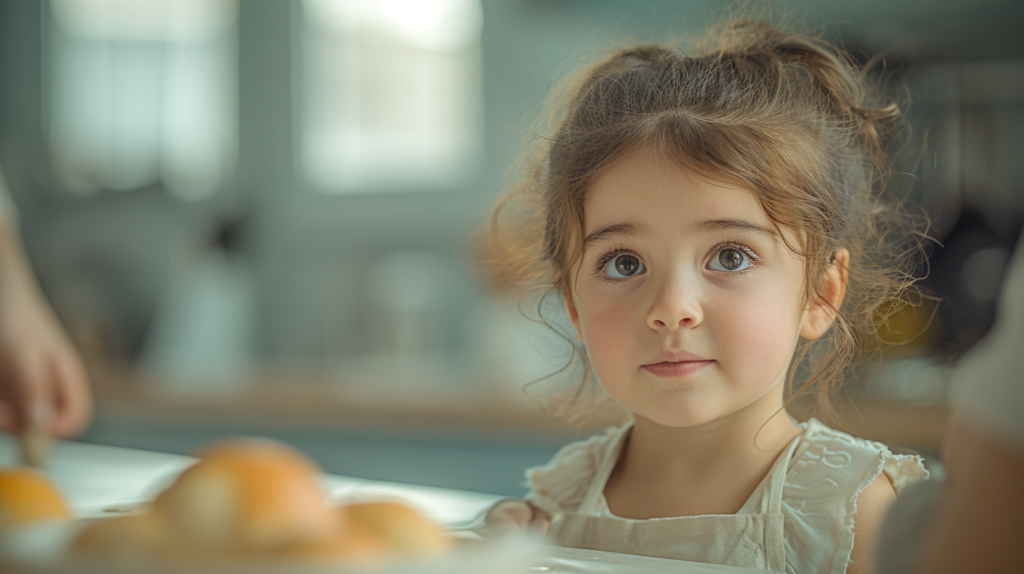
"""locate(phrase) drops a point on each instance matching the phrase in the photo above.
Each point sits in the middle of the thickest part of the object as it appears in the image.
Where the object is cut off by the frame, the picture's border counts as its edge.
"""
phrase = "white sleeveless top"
(799, 519)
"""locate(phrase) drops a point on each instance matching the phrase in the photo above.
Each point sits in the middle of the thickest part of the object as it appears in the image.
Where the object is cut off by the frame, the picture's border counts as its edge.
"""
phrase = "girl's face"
(689, 304)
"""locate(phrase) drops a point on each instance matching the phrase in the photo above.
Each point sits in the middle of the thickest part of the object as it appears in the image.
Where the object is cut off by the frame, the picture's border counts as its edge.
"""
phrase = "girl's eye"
(625, 265)
(729, 259)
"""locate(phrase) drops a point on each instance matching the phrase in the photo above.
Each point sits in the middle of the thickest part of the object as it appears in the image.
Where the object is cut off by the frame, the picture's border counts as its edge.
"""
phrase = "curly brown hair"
(789, 115)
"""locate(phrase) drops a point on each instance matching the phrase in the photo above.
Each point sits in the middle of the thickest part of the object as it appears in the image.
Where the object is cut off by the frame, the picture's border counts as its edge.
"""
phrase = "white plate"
(42, 549)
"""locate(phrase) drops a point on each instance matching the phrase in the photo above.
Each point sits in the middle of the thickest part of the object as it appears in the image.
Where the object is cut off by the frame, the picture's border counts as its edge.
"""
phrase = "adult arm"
(979, 528)
(42, 379)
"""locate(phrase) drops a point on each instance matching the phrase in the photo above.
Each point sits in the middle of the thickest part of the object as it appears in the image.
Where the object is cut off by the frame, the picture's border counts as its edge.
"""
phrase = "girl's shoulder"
(826, 453)
(562, 483)
(828, 471)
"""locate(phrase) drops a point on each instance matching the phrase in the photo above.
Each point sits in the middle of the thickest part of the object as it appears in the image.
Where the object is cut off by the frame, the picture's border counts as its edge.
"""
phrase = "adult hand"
(514, 516)
(42, 378)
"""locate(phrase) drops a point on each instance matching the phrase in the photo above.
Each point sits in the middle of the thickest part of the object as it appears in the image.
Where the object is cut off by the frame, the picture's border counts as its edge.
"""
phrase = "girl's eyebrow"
(616, 229)
(738, 225)
(633, 229)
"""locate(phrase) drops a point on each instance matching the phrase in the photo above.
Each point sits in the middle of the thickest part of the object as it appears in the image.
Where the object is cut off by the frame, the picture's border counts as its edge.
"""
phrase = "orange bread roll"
(136, 537)
(351, 547)
(27, 496)
(248, 496)
(259, 499)
(402, 529)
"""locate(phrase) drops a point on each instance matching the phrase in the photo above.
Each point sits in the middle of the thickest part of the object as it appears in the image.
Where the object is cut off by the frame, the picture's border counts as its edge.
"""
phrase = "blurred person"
(713, 223)
(973, 521)
(43, 383)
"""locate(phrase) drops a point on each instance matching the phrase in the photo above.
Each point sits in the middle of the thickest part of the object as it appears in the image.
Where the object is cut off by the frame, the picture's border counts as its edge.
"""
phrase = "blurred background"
(257, 217)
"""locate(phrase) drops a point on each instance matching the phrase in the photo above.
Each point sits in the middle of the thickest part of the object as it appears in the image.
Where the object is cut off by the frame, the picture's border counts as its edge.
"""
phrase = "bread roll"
(139, 537)
(260, 499)
(403, 530)
(248, 496)
(27, 496)
(351, 547)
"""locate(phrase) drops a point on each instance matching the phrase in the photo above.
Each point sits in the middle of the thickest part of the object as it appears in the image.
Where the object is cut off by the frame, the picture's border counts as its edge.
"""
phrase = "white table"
(100, 480)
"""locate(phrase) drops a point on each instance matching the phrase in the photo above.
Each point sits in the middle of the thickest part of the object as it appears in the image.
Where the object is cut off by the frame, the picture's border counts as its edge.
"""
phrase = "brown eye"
(729, 259)
(623, 266)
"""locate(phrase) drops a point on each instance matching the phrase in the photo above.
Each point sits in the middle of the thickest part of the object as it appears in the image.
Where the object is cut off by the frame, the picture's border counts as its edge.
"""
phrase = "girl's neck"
(761, 430)
(661, 468)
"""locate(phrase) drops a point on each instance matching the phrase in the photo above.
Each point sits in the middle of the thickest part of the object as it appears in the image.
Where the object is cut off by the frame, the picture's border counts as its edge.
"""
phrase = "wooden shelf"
(305, 400)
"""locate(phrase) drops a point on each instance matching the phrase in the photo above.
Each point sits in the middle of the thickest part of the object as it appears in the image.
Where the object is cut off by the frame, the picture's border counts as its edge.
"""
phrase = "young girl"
(717, 225)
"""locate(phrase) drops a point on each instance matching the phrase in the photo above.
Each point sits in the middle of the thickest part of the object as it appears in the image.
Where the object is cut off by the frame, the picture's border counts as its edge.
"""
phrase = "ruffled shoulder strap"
(561, 484)
(826, 474)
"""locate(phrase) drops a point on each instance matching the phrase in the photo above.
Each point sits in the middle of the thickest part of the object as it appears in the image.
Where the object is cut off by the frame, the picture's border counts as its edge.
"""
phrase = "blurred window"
(141, 92)
(391, 94)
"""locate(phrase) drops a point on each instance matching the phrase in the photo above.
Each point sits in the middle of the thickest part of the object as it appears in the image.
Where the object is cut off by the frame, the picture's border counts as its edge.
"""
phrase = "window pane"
(391, 94)
(143, 92)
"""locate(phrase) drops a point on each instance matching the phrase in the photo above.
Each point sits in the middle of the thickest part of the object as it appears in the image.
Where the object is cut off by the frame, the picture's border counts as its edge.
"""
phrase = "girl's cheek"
(760, 329)
(606, 326)
(608, 345)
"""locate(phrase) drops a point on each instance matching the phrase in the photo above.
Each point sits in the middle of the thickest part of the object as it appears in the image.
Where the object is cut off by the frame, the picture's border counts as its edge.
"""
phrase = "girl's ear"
(574, 315)
(822, 312)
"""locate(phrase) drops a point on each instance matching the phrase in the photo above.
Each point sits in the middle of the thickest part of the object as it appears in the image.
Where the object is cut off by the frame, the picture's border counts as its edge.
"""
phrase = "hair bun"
(648, 53)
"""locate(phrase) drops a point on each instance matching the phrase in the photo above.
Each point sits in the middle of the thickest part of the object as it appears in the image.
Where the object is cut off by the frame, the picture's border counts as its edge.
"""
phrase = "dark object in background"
(967, 273)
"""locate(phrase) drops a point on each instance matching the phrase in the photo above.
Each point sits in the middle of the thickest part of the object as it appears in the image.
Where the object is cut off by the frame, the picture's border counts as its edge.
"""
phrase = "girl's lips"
(677, 369)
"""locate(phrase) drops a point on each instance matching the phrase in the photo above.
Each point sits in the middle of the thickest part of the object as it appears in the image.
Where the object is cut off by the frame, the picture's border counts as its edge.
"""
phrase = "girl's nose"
(675, 308)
